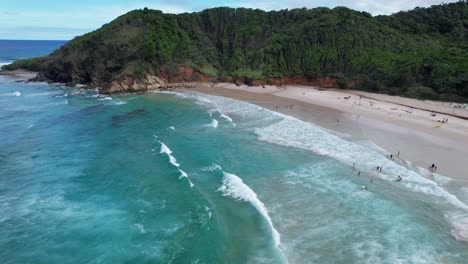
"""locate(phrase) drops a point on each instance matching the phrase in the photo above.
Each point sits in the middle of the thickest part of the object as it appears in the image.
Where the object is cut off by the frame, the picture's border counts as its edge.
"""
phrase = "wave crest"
(234, 187)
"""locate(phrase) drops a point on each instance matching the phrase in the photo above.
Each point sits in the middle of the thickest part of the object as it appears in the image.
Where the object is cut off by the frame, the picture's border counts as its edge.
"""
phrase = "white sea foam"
(214, 123)
(459, 225)
(212, 167)
(173, 160)
(107, 98)
(65, 102)
(169, 92)
(139, 227)
(11, 94)
(207, 209)
(183, 174)
(166, 150)
(228, 118)
(171, 128)
(234, 187)
(119, 103)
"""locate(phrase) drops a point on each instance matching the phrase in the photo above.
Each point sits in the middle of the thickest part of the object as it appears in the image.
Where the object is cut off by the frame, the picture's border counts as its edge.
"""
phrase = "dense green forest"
(419, 53)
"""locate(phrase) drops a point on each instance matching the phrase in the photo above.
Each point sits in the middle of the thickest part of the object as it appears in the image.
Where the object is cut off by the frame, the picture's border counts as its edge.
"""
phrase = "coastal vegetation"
(421, 53)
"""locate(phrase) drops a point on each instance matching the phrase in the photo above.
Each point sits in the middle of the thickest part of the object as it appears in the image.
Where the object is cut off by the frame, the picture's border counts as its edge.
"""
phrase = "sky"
(64, 19)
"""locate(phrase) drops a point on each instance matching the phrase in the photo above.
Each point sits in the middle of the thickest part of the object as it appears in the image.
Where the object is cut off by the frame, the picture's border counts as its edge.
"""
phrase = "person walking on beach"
(380, 168)
(399, 178)
(359, 173)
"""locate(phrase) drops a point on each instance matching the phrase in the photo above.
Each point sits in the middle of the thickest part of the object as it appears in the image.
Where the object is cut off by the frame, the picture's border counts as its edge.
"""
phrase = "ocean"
(11, 50)
(183, 177)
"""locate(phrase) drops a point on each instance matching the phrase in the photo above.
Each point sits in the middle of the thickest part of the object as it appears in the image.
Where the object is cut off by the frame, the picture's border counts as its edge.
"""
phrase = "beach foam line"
(167, 151)
(234, 187)
(12, 94)
(280, 129)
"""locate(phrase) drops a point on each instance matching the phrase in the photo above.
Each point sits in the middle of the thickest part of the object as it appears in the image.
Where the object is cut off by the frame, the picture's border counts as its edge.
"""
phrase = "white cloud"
(383, 7)
(275, 5)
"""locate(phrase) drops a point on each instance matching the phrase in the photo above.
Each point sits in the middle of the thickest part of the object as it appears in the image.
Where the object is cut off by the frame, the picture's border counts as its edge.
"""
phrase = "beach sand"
(387, 121)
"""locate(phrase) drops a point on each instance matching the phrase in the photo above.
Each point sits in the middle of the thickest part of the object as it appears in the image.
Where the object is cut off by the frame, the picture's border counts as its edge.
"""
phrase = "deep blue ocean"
(11, 50)
(183, 177)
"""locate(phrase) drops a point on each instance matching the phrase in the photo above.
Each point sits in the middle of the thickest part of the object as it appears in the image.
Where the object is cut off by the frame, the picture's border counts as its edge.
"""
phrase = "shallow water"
(191, 178)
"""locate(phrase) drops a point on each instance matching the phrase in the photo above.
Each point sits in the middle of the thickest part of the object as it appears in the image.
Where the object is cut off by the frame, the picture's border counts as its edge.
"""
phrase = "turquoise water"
(190, 178)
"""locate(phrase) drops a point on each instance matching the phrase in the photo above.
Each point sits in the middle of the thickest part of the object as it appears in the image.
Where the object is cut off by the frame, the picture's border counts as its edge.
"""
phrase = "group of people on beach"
(432, 168)
(443, 121)
(379, 169)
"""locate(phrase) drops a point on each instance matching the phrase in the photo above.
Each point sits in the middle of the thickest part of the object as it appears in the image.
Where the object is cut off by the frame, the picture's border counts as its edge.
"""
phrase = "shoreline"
(386, 124)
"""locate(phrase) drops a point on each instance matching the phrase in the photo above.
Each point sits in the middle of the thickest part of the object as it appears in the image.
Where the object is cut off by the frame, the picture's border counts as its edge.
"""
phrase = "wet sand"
(386, 121)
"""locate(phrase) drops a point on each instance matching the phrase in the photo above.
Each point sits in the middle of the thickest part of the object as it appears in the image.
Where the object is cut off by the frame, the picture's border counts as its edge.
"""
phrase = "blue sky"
(63, 19)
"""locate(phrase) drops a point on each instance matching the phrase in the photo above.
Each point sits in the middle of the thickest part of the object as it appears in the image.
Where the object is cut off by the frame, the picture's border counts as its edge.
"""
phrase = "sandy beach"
(393, 123)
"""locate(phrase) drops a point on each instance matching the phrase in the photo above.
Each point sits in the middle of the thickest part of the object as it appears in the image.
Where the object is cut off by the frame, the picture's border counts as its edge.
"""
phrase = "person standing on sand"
(359, 173)
(380, 168)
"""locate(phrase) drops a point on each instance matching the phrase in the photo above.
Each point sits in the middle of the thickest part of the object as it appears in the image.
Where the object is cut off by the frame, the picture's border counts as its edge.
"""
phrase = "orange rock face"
(325, 82)
(184, 74)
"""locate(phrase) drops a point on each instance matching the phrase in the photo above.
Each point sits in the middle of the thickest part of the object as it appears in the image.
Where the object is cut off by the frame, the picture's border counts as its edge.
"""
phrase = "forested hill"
(420, 53)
